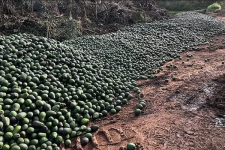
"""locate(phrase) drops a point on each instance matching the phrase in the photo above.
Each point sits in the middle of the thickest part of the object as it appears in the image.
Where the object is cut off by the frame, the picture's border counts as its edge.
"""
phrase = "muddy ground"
(185, 113)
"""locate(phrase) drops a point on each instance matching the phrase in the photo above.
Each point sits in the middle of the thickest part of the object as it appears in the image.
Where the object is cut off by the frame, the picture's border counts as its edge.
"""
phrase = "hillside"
(71, 18)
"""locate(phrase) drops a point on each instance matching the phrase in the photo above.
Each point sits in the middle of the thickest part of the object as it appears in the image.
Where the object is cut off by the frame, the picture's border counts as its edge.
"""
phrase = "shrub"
(215, 7)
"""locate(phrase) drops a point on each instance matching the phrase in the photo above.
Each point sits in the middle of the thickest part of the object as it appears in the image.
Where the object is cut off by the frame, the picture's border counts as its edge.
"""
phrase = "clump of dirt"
(218, 99)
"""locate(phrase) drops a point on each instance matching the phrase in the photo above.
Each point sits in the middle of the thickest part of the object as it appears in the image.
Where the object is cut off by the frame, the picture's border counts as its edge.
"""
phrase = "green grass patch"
(175, 12)
(213, 8)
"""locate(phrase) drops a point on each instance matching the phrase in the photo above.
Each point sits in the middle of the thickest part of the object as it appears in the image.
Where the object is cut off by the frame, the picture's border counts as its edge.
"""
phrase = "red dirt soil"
(187, 113)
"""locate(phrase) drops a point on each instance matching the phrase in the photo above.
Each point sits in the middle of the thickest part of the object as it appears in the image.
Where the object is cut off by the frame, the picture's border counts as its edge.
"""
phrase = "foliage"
(215, 7)
(64, 29)
(183, 5)
(43, 18)
(52, 18)
(71, 30)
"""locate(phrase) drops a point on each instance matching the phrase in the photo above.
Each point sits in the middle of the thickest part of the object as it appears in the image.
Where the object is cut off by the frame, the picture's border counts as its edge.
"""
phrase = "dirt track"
(181, 114)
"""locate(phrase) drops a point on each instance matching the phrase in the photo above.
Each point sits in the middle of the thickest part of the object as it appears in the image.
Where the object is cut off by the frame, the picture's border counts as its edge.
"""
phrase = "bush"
(215, 7)
(65, 29)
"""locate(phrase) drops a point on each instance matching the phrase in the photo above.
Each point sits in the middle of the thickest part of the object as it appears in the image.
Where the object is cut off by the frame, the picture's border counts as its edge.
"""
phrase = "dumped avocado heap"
(137, 50)
(50, 90)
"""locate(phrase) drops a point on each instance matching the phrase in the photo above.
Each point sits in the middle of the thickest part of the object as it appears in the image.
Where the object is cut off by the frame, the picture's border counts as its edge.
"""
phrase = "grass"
(175, 12)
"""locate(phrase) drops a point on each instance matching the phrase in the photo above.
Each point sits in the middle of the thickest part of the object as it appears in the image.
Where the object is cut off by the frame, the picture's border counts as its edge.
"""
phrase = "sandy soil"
(185, 113)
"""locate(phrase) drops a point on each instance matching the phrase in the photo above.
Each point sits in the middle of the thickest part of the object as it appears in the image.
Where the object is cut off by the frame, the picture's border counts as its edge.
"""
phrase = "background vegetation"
(66, 19)
(215, 7)
(186, 5)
